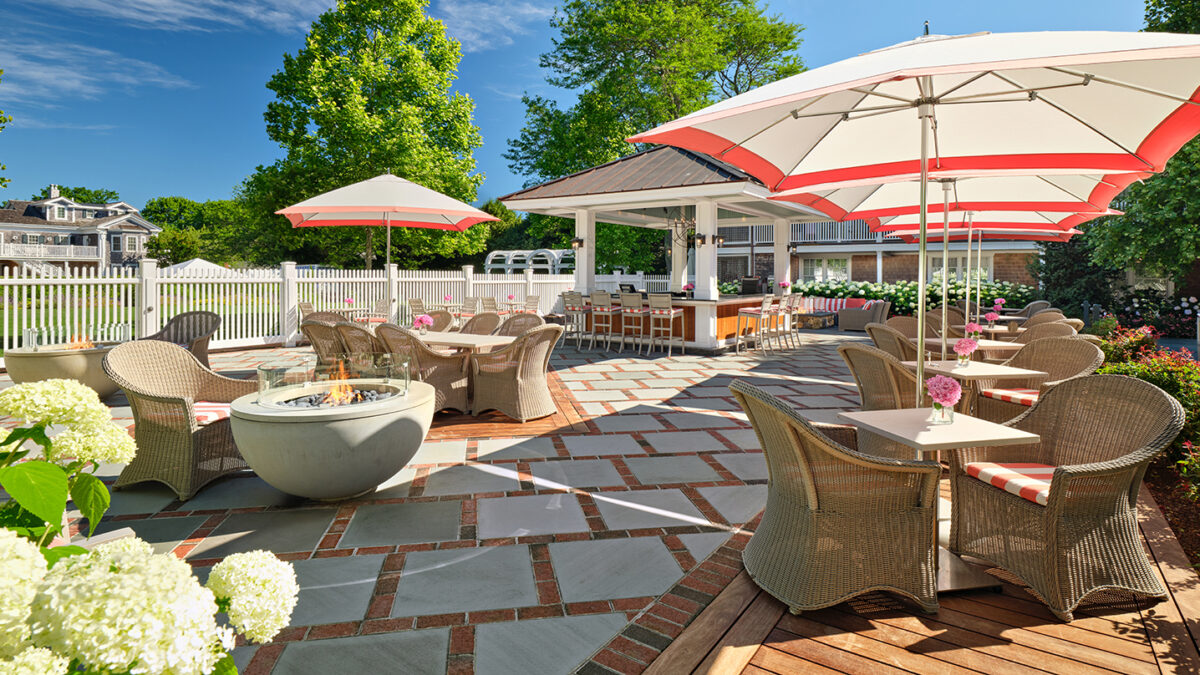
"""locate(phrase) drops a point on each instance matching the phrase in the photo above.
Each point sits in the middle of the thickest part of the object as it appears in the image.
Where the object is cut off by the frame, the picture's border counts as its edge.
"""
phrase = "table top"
(465, 340)
(977, 370)
(912, 427)
(985, 345)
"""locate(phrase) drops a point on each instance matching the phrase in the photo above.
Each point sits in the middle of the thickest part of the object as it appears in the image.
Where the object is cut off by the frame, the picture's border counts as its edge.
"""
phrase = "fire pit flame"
(80, 342)
(340, 393)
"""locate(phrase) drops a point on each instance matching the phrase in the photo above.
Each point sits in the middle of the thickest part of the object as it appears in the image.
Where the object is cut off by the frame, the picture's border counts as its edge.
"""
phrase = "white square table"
(975, 371)
(985, 345)
(914, 427)
(465, 341)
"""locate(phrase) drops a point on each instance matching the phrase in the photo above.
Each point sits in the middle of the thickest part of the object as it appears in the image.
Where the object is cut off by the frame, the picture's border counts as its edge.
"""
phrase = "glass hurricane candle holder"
(942, 414)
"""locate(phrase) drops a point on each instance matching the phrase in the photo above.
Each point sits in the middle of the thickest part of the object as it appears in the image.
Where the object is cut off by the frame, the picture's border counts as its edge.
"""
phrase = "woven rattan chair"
(358, 340)
(1043, 317)
(167, 387)
(192, 331)
(489, 304)
(325, 339)
(883, 384)
(1094, 339)
(892, 341)
(1045, 330)
(513, 379)
(305, 308)
(326, 317)
(442, 320)
(519, 323)
(1079, 533)
(933, 320)
(484, 323)
(1061, 358)
(838, 523)
(1031, 309)
(446, 373)
(1077, 324)
(907, 326)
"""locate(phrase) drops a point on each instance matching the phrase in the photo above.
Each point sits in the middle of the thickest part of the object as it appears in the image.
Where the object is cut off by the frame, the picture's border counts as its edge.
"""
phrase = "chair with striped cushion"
(489, 304)
(577, 312)
(756, 319)
(1061, 358)
(662, 323)
(1078, 534)
(633, 320)
(532, 303)
(605, 318)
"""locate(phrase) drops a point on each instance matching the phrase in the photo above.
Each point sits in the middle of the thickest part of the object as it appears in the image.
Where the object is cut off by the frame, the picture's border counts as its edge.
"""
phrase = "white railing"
(54, 251)
(817, 233)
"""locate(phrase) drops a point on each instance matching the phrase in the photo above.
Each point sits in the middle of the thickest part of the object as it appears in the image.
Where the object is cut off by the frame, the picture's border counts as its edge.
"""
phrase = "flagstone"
(683, 441)
(745, 465)
(647, 508)
(467, 480)
(530, 515)
(416, 652)
(671, 469)
(613, 568)
(738, 503)
(288, 531)
(600, 445)
(515, 448)
(391, 524)
(465, 579)
(440, 452)
(547, 646)
(628, 423)
(576, 473)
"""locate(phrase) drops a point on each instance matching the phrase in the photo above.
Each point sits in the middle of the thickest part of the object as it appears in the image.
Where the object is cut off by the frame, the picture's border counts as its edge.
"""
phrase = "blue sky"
(165, 97)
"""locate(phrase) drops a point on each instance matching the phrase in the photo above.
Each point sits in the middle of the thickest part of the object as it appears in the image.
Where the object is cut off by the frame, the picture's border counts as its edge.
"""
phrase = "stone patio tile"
(710, 403)
(441, 452)
(738, 503)
(243, 655)
(418, 652)
(676, 469)
(466, 480)
(647, 508)
(606, 569)
(277, 531)
(516, 448)
(572, 376)
(627, 422)
(556, 645)
(332, 590)
(578, 473)
(600, 396)
(821, 389)
(653, 394)
(709, 390)
(237, 493)
(164, 534)
(595, 368)
(397, 486)
(640, 366)
(530, 515)
(413, 523)
(576, 386)
(683, 441)
(614, 444)
(594, 408)
(703, 544)
(141, 498)
(820, 401)
(465, 579)
(745, 465)
(696, 420)
(742, 438)
(641, 407)
(665, 383)
(635, 375)
(685, 375)
(616, 384)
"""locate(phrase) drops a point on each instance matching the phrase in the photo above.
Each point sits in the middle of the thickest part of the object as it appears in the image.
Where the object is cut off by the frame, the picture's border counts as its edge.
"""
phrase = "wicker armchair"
(358, 340)
(167, 387)
(1045, 330)
(519, 323)
(883, 384)
(484, 323)
(1077, 324)
(446, 373)
(892, 341)
(838, 523)
(907, 326)
(513, 379)
(305, 308)
(325, 339)
(1030, 309)
(857, 319)
(326, 317)
(1061, 358)
(1075, 529)
(442, 320)
(192, 331)
(933, 320)
(1043, 317)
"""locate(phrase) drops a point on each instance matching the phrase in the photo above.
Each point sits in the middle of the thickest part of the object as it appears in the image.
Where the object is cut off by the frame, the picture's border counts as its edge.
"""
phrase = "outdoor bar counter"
(711, 324)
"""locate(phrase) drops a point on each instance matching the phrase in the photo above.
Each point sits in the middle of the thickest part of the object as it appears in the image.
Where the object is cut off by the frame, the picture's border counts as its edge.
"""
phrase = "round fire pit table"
(53, 362)
(335, 452)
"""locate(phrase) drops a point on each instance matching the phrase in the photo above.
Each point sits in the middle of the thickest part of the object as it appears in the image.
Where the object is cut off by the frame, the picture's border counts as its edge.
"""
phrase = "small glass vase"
(423, 329)
(964, 360)
(942, 414)
(991, 324)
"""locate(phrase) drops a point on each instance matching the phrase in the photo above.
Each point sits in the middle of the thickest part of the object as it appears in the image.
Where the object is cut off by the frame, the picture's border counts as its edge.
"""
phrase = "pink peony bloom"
(784, 284)
(973, 328)
(965, 346)
(944, 390)
(991, 316)
(999, 302)
(511, 296)
(448, 298)
(689, 286)
(349, 301)
(422, 320)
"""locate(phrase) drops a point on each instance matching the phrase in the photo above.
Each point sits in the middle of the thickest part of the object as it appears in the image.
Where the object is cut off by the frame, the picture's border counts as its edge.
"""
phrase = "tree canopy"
(636, 65)
(1070, 276)
(370, 93)
(83, 195)
(1159, 229)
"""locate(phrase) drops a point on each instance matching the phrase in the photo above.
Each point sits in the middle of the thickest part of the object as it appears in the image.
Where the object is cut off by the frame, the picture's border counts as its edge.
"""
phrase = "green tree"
(637, 65)
(83, 195)
(176, 245)
(1159, 229)
(208, 230)
(4, 120)
(370, 93)
(174, 212)
(1070, 276)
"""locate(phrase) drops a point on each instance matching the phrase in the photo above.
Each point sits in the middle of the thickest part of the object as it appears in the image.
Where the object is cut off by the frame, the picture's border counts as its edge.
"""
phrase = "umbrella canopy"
(1011, 220)
(986, 233)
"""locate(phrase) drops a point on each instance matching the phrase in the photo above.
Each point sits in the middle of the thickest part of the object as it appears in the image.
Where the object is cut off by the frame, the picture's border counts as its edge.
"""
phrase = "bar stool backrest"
(660, 301)
(532, 303)
(766, 304)
(572, 299)
(417, 306)
(489, 305)
(601, 299)
(470, 305)
(631, 301)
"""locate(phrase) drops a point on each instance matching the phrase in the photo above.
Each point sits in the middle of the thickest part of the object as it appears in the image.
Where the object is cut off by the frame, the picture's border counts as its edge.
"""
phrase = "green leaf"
(91, 497)
(39, 487)
(53, 555)
(225, 666)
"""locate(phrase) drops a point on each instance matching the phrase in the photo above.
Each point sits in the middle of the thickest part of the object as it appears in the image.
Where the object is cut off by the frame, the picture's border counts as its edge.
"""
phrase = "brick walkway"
(510, 548)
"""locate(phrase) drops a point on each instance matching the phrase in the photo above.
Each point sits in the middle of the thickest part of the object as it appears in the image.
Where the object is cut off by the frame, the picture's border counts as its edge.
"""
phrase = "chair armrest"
(221, 389)
(842, 434)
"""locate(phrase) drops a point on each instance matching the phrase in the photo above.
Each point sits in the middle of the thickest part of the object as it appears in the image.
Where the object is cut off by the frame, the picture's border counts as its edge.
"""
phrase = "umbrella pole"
(924, 114)
(387, 221)
(946, 186)
(967, 290)
(979, 283)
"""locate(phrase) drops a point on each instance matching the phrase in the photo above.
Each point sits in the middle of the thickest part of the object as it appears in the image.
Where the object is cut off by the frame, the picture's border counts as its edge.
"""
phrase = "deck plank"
(694, 644)
(767, 660)
(1173, 565)
(866, 643)
(832, 657)
(735, 649)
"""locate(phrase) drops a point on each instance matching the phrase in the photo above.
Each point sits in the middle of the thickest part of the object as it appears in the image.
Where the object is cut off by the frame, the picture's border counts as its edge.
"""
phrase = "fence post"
(641, 281)
(393, 291)
(289, 303)
(469, 277)
(147, 297)
(529, 282)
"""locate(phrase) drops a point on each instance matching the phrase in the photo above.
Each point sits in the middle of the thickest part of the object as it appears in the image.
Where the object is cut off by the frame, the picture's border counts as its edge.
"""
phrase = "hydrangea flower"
(991, 316)
(973, 328)
(35, 661)
(21, 568)
(95, 443)
(943, 390)
(54, 402)
(261, 590)
(965, 346)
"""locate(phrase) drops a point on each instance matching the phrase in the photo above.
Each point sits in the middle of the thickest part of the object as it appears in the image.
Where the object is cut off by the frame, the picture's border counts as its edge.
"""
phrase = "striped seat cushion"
(208, 412)
(1026, 480)
(634, 310)
(371, 319)
(1020, 396)
(573, 308)
(664, 311)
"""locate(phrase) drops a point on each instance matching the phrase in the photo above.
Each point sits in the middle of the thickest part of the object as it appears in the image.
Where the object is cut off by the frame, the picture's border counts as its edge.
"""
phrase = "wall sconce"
(718, 240)
(700, 239)
(577, 243)
(793, 248)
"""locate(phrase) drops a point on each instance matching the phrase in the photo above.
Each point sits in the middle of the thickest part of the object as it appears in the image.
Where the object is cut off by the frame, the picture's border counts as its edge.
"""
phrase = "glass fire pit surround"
(332, 452)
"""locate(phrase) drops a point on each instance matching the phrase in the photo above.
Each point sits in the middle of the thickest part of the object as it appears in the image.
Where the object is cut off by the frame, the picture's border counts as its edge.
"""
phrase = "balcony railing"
(802, 233)
(49, 251)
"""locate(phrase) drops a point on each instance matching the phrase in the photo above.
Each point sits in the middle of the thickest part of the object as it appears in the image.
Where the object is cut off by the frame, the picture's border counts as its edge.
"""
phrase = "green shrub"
(1177, 374)
(1122, 345)
(903, 294)
(1103, 327)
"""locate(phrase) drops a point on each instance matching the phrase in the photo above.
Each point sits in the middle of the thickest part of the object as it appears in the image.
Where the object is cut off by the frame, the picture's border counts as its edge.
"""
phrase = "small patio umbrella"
(985, 104)
(385, 200)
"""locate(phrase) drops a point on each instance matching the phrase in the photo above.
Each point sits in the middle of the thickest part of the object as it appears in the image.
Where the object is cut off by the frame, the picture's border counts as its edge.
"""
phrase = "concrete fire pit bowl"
(331, 453)
(54, 362)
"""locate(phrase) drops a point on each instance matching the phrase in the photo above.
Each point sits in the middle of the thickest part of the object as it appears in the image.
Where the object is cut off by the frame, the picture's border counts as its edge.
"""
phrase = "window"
(131, 243)
(60, 212)
(62, 239)
(958, 267)
(116, 243)
(826, 269)
(812, 268)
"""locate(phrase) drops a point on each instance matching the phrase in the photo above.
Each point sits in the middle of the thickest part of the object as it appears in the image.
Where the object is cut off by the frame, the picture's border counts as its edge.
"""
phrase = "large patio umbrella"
(385, 201)
(985, 104)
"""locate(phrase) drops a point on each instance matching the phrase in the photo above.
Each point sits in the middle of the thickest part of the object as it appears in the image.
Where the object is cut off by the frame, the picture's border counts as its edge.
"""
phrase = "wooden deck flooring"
(744, 630)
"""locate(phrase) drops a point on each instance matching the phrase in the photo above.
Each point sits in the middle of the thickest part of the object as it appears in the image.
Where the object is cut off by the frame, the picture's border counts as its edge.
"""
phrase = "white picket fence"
(258, 307)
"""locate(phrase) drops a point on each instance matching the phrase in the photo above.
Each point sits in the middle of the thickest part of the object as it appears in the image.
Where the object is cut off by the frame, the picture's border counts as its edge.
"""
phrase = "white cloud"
(488, 24)
(35, 123)
(284, 16)
(48, 73)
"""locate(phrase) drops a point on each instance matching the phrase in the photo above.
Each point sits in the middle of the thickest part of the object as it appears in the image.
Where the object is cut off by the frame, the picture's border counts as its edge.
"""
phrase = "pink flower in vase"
(991, 316)
(448, 298)
(973, 328)
(945, 391)
(511, 296)
(784, 285)
(349, 301)
(965, 346)
(689, 286)
(422, 320)
(999, 302)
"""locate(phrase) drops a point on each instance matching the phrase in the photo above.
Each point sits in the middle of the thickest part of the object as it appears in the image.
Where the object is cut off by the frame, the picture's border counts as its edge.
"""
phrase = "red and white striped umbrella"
(988, 233)
(1010, 220)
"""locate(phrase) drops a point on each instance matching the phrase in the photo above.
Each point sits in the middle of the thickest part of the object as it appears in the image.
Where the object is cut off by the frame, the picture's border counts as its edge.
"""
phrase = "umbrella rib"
(965, 82)
(1051, 183)
(1118, 83)
(763, 130)
(872, 92)
(813, 146)
(975, 98)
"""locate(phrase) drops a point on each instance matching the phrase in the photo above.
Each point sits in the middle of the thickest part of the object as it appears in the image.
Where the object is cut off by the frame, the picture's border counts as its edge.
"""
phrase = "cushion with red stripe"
(371, 319)
(208, 412)
(1020, 396)
(1026, 480)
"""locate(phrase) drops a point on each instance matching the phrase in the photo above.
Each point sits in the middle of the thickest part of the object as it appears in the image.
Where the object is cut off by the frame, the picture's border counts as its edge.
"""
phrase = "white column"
(147, 318)
(528, 282)
(289, 304)
(783, 258)
(679, 251)
(706, 255)
(585, 255)
(469, 280)
(879, 266)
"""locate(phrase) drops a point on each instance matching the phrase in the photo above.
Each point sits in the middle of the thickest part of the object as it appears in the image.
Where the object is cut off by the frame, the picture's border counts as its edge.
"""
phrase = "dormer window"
(60, 212)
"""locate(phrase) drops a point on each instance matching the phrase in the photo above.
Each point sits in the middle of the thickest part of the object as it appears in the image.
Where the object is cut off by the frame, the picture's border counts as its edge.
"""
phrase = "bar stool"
(662, 323)
(781, 329)
(489, 305)
(470, 307)
(633, 315)
(756, 319)
(603, 314)
(577, 317)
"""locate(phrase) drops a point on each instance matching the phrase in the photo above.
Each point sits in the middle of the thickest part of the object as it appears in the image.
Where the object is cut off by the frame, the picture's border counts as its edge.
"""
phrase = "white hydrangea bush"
(22, 568)
(260, 591)
(35, 661)
(54, 402)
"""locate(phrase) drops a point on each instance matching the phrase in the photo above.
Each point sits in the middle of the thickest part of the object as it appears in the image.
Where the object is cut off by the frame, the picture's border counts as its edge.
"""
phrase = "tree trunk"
(369, 254)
